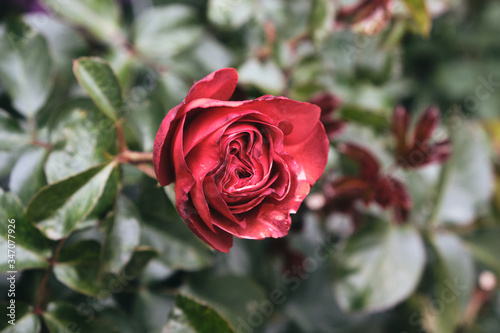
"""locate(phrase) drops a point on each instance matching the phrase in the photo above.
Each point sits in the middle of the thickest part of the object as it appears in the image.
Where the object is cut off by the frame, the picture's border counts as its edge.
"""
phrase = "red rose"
(240, 167)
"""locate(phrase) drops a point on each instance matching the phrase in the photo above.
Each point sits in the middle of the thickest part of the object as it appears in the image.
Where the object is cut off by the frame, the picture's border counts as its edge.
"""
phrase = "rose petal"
(217, 85)
(267, 220)
(219, 240)
(303, 117)
(311, 154)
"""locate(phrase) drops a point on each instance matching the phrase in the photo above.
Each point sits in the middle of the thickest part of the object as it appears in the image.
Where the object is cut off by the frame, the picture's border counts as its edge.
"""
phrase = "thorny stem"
(43, 288)
(134, 157)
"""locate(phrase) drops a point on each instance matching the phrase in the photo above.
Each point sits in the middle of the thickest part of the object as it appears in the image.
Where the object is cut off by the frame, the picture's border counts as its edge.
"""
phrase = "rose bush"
(240, 167)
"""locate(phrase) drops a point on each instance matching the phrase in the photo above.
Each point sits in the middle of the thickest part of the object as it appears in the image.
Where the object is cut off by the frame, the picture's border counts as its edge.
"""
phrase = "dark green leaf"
(151, 308)
(140, 258)
(77, 267)
(11, 134)
(58, 208)
(167, 233)
(364, 117)
(167, 30)
(25, 321)
(82, 138)
(100, 17)
(32, 249)
(241, 294)
(25, 69)
(454, 283)
(381, 266)
(485, 246)
(122, 236)
(97, 78)
(192, 316)
(28, 176)
(144, 120)
(64, 318)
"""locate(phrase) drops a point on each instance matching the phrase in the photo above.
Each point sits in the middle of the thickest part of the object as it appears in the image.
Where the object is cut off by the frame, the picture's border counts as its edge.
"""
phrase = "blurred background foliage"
(100, 247)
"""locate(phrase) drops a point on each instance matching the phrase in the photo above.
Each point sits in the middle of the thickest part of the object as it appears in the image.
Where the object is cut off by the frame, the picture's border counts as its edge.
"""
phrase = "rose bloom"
(240, 167)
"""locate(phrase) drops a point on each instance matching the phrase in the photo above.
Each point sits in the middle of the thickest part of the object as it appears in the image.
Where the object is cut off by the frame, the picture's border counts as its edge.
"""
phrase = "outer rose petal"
(218, 85)
(296, 119)
(311, 155)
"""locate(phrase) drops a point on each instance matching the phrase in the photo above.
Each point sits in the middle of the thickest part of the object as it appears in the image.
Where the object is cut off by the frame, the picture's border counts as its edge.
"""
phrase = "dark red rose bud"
(240, 167)
(370, 186)
(368, 164)
(401, 200)
(400, 126)
(427, 123)
(414, 150)
(329, 105)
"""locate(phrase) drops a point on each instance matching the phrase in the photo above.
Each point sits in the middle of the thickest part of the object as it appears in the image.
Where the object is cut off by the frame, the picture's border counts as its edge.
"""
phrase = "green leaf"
(144, 121)
(485, 246)
(98, 79)
(139, 260)
(123, 64)
(59, 207)
(420, 14)
(321, 19)
(64, 318)
(167, 233)
(381, 266)
(364, 116)
(166, 30)
(12, 135)
(192, 316)
(27, 176)
(470, 181)
(82, 138)
(230, 13)
(122, 236)
(100, 17)
(65, 41)
(31, 247)
(26, 66)
(454, 283)
(151, 308)
(25, 320)
(265, 75)
(241, 294)
(78, 267)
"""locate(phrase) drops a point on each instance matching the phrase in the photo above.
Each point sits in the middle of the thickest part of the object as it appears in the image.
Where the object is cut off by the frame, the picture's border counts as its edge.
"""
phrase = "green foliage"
(98, 79)
(99, 245)
(25, 69)
(191, 316)
(381, 266)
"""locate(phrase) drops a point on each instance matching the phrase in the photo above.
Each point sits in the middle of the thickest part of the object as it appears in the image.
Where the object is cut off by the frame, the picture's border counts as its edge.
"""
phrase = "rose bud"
(329, 105)
(416, 149)
(369, 186)
(367, 16)
(240, 167)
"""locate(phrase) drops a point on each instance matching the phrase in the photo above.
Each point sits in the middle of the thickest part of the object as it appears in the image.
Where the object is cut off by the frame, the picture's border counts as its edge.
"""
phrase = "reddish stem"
(43, 288)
